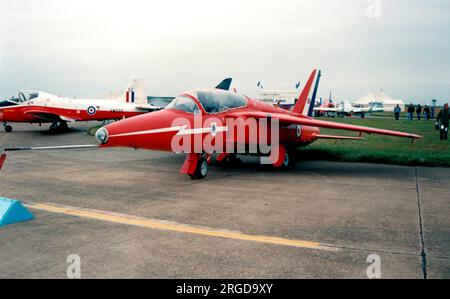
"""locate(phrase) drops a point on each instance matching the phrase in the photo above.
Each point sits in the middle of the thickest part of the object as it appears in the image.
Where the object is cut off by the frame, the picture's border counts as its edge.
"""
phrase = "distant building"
(285, 98)
(379, 100)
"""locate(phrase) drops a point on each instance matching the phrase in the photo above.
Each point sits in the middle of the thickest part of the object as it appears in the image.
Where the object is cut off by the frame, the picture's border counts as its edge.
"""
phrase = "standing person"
(419, 112)
(442, 122)
(397, 111)
(426, 112)
(411, 111)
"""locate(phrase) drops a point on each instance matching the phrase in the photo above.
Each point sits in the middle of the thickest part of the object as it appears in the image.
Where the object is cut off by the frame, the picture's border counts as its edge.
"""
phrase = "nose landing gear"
(196, 166)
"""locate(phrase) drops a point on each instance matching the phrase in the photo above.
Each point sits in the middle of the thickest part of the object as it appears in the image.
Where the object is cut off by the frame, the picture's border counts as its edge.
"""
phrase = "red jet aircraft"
(201, 122)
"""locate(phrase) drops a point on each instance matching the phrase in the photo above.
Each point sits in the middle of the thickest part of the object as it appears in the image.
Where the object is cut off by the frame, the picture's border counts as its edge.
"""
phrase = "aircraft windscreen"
(215, 102)
(183, 103)
(23, 96)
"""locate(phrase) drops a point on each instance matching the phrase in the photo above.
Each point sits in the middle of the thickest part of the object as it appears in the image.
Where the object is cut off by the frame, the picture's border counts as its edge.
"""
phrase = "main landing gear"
(59, 127)
(196, 166)
(289, 160)
(285, 159)
(8, 128)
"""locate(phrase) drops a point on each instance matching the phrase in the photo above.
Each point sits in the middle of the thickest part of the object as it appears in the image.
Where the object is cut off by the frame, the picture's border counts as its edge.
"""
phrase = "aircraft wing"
(49, 116)
(288, 119)
(333, 137)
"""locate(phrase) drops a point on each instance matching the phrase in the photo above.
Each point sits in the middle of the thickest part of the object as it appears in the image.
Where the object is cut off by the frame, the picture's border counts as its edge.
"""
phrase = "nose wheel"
(201, 170)
(8, 128)
(196, 165)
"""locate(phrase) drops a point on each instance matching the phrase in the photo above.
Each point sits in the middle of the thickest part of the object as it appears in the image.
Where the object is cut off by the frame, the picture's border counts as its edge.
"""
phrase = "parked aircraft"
(206, 121)
(344, 108)
(42, 107)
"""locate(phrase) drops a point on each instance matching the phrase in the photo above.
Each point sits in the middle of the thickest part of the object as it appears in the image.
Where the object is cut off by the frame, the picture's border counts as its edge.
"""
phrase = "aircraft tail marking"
(301, 102)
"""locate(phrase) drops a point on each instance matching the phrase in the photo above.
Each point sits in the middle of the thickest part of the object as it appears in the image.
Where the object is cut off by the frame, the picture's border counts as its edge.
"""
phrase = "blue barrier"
(12, 211)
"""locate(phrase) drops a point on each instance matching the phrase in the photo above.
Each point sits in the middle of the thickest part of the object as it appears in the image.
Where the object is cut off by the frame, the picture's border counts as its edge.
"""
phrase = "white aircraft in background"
(41, 107)
(344, 108)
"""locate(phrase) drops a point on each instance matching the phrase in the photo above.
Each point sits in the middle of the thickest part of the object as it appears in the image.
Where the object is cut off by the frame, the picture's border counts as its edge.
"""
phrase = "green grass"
(429, 151)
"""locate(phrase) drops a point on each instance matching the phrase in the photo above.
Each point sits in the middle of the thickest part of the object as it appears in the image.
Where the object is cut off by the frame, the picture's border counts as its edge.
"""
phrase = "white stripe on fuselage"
(181, 131)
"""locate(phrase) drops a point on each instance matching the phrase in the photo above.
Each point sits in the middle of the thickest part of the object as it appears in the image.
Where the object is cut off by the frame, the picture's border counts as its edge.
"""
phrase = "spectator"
(397, 111)
(411, 111)
(419, 112)
(442, 122)
(426, 112)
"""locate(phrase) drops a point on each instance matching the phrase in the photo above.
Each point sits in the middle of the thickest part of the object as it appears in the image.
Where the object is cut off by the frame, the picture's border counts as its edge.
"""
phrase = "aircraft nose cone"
(102, 136)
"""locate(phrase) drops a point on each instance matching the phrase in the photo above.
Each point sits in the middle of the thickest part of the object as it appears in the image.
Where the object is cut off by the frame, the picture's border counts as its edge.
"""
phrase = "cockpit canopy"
(23, 96)
(19, 98)
(212, 101)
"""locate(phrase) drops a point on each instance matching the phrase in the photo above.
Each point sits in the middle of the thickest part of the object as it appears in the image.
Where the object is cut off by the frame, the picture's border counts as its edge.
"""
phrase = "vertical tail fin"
(313, 99)
(301, 102)
(225, 84)
(135, 92)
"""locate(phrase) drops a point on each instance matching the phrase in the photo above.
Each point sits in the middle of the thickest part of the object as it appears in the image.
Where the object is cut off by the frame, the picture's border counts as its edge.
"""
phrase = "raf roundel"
(298, 131)
(91, 110)
(214, 129)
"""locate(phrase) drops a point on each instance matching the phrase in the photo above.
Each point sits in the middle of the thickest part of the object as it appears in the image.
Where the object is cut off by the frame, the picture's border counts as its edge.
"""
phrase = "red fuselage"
(157, 130)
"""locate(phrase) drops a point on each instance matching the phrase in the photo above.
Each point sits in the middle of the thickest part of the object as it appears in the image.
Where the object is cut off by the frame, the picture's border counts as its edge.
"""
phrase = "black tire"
(289, 160)
(201, 170)
(53, 128)
(8, 129)
(63, 126)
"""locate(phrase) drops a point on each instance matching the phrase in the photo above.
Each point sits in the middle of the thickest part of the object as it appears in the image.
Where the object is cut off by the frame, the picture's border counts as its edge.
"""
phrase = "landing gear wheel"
(8, 129)
(63, 126)
(201, 170)
(289, 160)
(54, 127)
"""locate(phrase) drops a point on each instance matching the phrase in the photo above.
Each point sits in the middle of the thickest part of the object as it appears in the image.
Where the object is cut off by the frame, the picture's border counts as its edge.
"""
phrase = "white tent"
(379, 99)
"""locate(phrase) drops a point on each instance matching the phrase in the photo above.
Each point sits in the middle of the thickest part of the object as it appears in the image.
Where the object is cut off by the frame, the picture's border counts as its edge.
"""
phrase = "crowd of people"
(427, 113)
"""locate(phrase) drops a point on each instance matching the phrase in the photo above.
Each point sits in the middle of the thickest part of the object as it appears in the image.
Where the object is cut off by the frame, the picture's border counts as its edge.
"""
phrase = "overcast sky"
(89, 48)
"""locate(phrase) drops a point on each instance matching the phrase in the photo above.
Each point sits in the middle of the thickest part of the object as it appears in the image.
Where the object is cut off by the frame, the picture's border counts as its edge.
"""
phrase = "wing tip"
(2, 159)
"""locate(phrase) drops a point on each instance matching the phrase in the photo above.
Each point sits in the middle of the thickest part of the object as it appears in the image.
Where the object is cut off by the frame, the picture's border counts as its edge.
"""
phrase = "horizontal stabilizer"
(148, 107)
